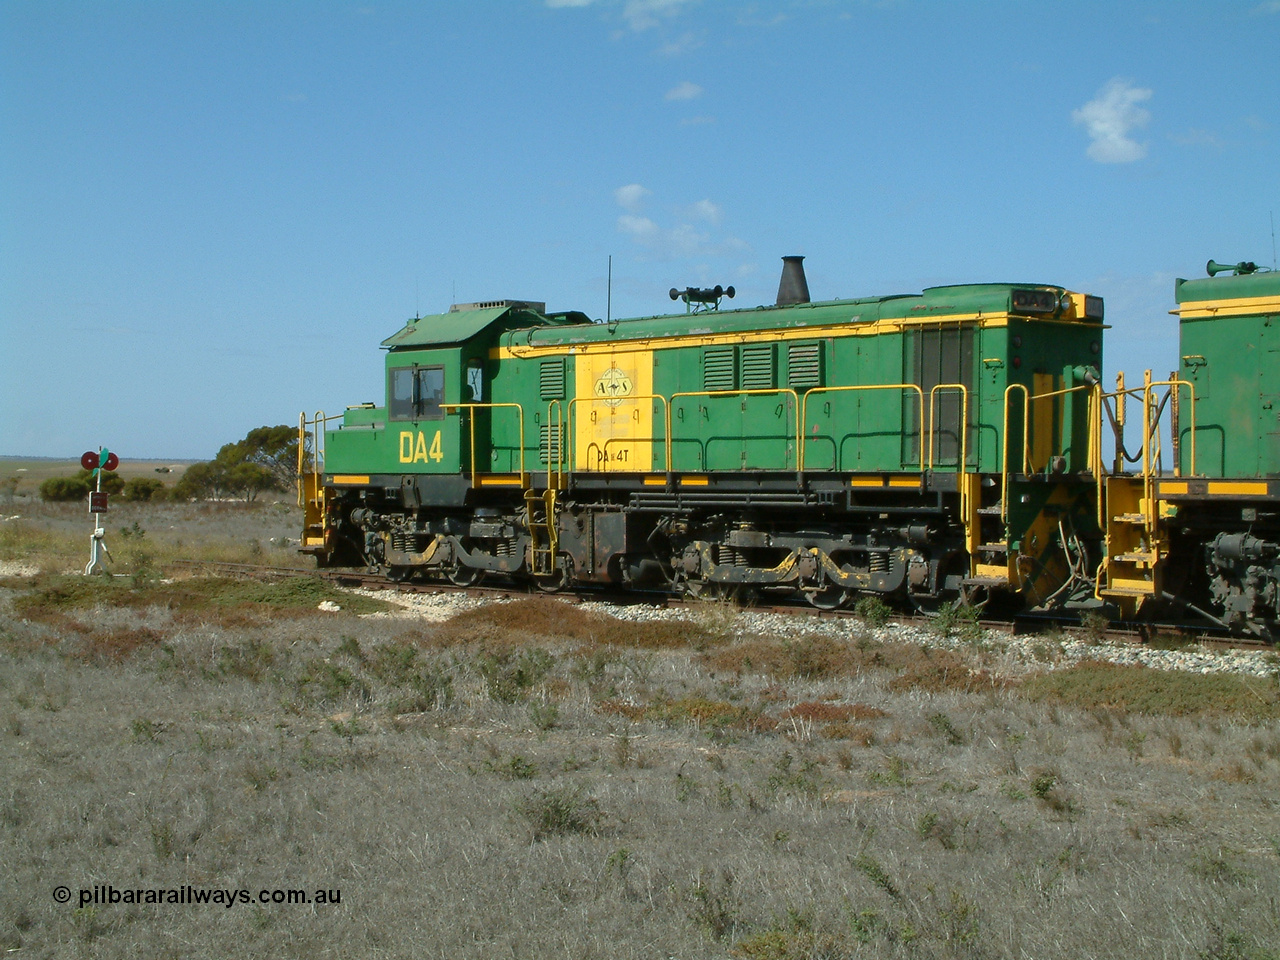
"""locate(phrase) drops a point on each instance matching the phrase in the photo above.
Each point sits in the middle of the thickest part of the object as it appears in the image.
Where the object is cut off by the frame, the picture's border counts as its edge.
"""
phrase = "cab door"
(425, 437)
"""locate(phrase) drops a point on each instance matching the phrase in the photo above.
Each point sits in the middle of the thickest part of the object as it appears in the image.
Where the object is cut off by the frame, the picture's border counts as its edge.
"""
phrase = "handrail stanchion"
(448, 407)
(1004, 444)
(650, 439)
(804, 419)
(745, 393)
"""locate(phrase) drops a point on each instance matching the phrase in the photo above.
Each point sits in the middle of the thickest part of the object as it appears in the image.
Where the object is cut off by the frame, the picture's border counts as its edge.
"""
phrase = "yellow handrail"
(1149, 430)
(568, 424)
(964, 421)
(1146, 390)
(1004, 444)
(1174, 384)
(736, 393)
(1093, 454)
(471, 424)
(317, 424)
(963, 462)
(559, 461)
(804, 416)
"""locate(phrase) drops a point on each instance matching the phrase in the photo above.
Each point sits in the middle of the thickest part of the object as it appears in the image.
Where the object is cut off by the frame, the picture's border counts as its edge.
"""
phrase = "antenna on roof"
(608, 302)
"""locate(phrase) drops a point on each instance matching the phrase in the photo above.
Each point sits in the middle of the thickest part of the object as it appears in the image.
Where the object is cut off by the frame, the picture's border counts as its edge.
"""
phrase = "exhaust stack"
(792, 288)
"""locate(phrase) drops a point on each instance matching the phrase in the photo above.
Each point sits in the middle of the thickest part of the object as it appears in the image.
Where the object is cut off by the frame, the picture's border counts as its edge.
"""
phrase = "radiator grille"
(551, 379)
(804, 365)
(757, 367)
(549, 443)
(719, 369)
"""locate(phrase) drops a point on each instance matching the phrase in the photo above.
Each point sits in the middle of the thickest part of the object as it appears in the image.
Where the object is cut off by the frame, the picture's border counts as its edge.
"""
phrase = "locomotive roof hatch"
(468, 320)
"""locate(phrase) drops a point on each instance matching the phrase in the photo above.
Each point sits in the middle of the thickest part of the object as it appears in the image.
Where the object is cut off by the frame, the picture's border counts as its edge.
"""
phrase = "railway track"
(1153, 634)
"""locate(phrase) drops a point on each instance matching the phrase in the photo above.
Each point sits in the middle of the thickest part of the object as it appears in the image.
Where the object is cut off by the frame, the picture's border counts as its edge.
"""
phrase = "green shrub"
(142, 489)
(559, 811)
(112, 483)
(872, 611)
(64, 489)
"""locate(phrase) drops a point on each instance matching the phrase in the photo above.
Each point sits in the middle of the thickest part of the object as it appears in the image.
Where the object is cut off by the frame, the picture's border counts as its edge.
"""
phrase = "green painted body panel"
(1227, 287)
(369, 442)
(1234, 364)
(795, 385)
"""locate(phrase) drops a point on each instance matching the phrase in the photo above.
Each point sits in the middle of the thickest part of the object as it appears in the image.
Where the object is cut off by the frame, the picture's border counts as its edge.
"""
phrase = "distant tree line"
(265, 460)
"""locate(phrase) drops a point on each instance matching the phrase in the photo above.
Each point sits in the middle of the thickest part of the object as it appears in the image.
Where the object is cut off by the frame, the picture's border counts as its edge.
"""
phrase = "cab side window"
(415, 393)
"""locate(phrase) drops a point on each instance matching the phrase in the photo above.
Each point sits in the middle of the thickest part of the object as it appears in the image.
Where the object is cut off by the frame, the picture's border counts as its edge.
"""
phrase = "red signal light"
(89, 461)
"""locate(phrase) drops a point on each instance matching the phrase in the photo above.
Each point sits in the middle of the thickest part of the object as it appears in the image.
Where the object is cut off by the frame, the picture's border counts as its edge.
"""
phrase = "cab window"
(415, 393)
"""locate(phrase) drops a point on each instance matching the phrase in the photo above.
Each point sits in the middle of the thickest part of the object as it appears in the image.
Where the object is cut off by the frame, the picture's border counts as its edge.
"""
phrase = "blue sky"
(211, 213)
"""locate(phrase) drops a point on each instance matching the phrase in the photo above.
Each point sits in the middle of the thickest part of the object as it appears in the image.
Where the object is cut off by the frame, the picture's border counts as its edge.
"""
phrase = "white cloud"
(1110, 118)
(691, 237)
(706, 210)
(642, 229)
(682, 44)
(644, 14)
(630, 197)
(684, 91)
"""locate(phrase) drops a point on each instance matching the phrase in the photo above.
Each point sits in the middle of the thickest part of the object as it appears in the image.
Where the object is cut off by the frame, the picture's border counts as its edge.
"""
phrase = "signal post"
(98, 462)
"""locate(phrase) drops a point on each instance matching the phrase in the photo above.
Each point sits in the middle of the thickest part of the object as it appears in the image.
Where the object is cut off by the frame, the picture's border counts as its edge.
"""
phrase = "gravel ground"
(1021, 654)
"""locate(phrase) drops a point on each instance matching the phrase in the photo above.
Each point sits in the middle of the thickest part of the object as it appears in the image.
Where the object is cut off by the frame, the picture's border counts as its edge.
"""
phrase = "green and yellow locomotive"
(1206, 531)
(926, 448)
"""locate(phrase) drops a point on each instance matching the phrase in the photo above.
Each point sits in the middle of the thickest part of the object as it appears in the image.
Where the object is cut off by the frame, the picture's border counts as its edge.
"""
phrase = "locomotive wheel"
(715, 590)
(400, 574)
(461, 575)
(828, 598)
(970, 596)
(933, 606)
(966, 596)
(974, 596)
(555, 582)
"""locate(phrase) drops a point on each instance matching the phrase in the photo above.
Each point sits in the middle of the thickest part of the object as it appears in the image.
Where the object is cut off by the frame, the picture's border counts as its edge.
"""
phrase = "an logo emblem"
(612, 386)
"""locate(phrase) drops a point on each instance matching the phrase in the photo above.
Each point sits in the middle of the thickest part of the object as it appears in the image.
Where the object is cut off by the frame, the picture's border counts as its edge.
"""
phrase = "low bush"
(143, 489)
(64, 489)
(560, 810)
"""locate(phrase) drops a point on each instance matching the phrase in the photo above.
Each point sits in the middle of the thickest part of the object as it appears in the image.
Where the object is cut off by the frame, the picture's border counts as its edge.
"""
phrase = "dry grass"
(533, 779)
(518, 623)
(1156, 692)
(146, 537)
(911, 665)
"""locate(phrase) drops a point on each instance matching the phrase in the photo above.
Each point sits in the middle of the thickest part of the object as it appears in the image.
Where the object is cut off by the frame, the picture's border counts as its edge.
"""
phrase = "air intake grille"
(551, 379)
(718, 368)
(549, 443)
(757, 367)
(804, 365)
